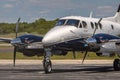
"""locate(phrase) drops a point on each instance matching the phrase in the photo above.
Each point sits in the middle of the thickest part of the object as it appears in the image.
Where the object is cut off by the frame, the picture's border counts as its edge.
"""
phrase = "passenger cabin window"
(84, 24)
(96, 25)
(60, 22)
(92, 25)
(72, 22)
(100, 25)
(112, 27)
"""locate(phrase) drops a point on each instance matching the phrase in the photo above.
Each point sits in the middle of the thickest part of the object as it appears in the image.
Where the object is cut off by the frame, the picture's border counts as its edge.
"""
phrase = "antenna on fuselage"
(91, 14)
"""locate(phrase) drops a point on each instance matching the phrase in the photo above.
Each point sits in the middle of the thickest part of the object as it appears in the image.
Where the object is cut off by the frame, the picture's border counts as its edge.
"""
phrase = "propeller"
(17, 25)
(86, 52)
(14, 55)
(15, 48)
(96, 27)
(85, 56)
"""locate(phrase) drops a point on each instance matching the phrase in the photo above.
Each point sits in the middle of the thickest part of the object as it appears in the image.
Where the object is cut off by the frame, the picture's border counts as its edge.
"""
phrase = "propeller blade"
(15, 48)
(17, 26)
(100, 20)
(74, 55)
(96, 27)
(14, 56)
(84, 56)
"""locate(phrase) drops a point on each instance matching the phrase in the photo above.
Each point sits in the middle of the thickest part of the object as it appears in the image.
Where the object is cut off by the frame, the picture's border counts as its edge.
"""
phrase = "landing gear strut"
(116, 64)
(47, 64)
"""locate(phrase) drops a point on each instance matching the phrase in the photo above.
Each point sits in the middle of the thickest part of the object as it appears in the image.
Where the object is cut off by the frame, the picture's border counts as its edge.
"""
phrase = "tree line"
(40, 26)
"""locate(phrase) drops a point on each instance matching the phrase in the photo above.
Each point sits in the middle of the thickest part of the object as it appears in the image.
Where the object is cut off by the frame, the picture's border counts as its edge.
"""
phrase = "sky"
(31, 10)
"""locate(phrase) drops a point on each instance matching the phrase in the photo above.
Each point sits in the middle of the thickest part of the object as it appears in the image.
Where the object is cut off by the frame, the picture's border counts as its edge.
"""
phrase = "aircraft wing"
(110, 46)
(6, 40)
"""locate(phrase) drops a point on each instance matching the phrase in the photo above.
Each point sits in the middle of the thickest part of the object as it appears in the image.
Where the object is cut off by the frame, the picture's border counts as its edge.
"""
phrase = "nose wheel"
(116, 64)
(47, 64)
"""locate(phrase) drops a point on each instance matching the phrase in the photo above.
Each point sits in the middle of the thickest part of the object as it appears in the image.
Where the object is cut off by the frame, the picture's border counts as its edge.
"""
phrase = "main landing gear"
(47, 64)
(116, 64)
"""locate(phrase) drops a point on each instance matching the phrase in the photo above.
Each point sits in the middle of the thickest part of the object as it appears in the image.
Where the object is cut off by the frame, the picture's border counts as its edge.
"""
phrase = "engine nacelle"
(92, 44)
(59, 52)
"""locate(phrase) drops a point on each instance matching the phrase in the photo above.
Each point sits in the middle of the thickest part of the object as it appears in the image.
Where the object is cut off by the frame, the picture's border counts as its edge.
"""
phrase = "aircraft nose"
(49, 38)
(58, 34)
(52, 37)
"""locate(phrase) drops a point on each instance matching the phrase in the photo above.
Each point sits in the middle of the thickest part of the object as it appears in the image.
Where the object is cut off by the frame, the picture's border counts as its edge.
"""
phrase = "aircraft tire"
(116, 64)
(47, 66)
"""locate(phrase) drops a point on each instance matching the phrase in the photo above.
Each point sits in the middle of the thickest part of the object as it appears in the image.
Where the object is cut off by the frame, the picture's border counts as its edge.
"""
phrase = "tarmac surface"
(62, 70)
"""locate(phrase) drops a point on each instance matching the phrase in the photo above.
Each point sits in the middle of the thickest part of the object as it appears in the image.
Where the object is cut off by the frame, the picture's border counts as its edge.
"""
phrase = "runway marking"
(34, 62)
(41, 72)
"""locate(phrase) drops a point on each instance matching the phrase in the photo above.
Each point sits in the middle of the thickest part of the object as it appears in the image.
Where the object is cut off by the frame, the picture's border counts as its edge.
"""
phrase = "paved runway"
(62, 70)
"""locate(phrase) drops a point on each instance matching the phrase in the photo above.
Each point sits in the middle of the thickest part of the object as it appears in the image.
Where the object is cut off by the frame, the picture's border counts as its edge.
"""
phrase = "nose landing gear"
(47, 64)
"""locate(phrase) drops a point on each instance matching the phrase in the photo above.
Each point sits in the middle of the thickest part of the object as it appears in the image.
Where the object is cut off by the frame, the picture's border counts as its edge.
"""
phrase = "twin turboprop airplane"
(73, 33)
(76, 33)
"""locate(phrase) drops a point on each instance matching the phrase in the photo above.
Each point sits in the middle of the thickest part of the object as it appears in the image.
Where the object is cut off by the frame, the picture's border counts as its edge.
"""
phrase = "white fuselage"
(66, 31)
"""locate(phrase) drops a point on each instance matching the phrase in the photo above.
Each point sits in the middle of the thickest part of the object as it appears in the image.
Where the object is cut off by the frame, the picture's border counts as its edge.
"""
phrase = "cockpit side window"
(72, 22)
(61, 22)
(80, 26)
(84, 24)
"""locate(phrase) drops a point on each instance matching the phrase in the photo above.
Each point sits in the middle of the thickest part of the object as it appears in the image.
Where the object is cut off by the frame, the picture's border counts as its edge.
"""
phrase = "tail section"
(118, 8)
(115, 18)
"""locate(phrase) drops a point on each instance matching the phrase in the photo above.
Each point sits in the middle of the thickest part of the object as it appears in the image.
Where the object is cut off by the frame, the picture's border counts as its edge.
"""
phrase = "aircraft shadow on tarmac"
(87, 69)
(21, 70)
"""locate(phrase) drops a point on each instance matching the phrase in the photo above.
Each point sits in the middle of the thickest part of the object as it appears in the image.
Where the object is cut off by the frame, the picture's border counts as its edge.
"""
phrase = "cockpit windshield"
(71, 22)
(61, 22)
